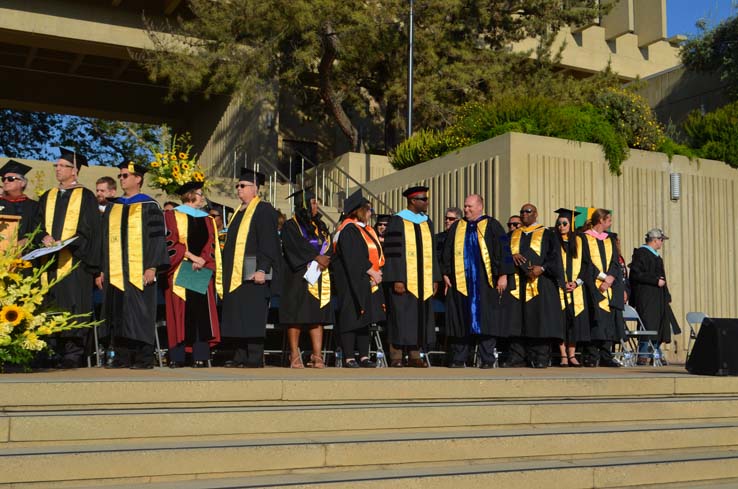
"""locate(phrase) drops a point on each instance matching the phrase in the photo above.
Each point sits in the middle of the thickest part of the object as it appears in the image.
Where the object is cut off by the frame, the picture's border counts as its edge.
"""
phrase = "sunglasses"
(123, 176)
(12, 179)
(447, 218)
(562, 223)
(424, 199)
(244, 185)
(526, 211)
(514, 224)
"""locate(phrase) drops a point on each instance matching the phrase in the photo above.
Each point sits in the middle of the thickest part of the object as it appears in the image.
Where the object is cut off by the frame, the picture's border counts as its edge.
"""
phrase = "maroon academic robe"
(180, 328)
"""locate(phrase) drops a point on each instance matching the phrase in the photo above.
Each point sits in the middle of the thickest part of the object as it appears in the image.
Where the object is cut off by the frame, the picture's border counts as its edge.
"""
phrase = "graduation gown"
(606, 315)
(409, 250)
(475, 255)
(359, 303)
(245, 307)
(133, 241)
(300, 302)
(575, 306)
(193, 317)
(651, 301)
(536, 311)
(27, 209)
(58, 212)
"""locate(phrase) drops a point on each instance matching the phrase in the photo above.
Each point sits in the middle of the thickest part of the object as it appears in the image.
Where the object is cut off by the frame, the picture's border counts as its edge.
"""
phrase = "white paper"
(313, 273)
(48, 250)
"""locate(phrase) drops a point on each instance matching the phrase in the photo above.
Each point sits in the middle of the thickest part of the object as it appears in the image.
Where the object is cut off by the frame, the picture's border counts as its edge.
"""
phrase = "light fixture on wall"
(675, 186)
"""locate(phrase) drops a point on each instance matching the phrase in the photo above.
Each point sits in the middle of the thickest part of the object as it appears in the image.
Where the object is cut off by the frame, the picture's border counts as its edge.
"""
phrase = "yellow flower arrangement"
(23, 321)
(175, 166)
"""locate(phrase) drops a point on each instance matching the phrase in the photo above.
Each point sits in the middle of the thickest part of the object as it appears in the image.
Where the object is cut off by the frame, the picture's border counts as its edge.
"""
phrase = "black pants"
(359, 339)
(597, 351)
(133, 352)
(461, 346)
(200, 352)
(530, 350)
(250, 352)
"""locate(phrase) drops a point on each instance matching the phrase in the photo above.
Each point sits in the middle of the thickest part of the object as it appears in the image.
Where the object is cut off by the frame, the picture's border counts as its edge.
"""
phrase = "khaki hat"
(656, 233)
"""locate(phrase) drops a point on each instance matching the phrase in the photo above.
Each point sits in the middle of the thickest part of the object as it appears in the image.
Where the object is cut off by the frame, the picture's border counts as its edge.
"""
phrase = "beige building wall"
(513, 169)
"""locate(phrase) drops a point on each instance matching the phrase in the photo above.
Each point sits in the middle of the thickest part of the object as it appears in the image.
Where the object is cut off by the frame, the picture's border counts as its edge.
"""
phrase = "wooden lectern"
(8, 231)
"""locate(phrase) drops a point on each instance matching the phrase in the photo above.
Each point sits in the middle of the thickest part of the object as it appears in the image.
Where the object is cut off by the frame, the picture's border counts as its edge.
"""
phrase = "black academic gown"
(410, 318)
(538, 315)
(74, 292)
(576, 305)
(297, 304)
(131, 312)
(358, 304)
(651, 301)
(606, 314)
(29, 212)
(458, 322)
(245, 309)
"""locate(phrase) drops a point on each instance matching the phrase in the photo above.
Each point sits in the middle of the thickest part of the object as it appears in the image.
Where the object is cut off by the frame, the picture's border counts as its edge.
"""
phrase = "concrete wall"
(513, 169)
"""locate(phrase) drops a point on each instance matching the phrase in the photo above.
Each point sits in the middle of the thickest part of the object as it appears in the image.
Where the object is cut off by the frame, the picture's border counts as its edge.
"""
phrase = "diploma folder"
(249, 269)
(194, 280)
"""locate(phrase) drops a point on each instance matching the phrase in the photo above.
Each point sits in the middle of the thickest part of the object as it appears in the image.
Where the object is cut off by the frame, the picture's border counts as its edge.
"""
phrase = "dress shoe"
(457, 365)
(610, 363)
(396, 364)
(176, 365)
(589, 364)
(116, 365)
(141, 366)
(539, 364)
(351, 364)
(200, 364)
(486, 365)
(233, 364)
(367, 363)
(417, 363)
(513, 364)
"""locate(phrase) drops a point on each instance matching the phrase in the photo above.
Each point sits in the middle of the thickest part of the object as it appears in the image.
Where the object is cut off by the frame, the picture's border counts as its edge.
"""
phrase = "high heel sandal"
(317, 361)
(296, 362)
(563, 362)
(573, 362)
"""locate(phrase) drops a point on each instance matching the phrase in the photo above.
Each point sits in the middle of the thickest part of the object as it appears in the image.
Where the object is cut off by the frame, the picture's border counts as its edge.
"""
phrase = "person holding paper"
(251, 259)
(67, 211)
(357, 268)
(192, 244)
(15, 202)
(306, 295)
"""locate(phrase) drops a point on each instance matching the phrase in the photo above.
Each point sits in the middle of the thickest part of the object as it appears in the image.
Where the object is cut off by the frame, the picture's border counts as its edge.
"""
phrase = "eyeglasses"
(424, 199)
(514, 224)
(526, 211)
(12, 179)
(244, 185)
(562, 223)
(451, 218)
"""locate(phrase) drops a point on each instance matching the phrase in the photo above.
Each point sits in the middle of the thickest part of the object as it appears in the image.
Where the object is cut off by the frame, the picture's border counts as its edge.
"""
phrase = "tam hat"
(413, 191)
(353, 202)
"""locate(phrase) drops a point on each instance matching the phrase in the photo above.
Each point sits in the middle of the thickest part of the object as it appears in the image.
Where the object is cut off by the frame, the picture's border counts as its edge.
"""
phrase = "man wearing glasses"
(251, 254)
(16, 203)
(134, 250)
(412, 275)
(451, 215)
(68, 211)
(513, 223)
(536, 310)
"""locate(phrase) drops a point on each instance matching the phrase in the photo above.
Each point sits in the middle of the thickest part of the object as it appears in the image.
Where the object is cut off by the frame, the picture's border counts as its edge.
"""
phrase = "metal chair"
(376, 340)
(694, 318)
(633, 337)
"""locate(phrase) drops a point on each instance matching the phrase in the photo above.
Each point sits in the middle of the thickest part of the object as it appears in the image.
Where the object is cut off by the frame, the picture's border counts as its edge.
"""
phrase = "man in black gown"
(16, 203)
(412, 275)
(476, 261)
(134, 250)
(252, 252)
(67, 211)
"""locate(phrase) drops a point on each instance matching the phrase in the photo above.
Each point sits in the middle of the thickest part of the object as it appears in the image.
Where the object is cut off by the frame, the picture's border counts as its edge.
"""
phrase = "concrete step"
(179, 460)
(25, 428)
(696, 469)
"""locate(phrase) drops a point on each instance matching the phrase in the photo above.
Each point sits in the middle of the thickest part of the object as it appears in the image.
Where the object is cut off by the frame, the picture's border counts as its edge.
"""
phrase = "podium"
(8, 231)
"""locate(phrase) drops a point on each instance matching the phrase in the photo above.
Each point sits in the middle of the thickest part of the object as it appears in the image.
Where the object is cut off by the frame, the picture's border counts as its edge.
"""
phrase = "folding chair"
(635, 337)
(694, 318)
(159, 352)
(376, 340)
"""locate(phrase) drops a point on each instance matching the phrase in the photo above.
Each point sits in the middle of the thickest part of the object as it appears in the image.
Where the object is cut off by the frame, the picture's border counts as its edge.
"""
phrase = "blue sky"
(681, 15)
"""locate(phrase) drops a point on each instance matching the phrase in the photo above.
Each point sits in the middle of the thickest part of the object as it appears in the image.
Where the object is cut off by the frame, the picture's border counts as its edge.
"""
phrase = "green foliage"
(715, 135)
(715, 51)
(632, 116)
(670, 147)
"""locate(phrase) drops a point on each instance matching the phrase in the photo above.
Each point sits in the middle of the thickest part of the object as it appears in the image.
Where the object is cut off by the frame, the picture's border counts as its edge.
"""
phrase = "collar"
(190, 211)
(20, 198)
(595, 234)
(135, 199)
(409, 215)
(650, 249)
(480, 218)
(533, 227)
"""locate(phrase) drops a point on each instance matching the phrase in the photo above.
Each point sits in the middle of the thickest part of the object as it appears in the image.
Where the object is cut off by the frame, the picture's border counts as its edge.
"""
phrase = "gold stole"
(71, 220)
(134, 243)
(594, 252)
(459, 254)
(411, 259)
(531, 286)
(240, 248)
(182, 230)
(576, 267)
(321, 290)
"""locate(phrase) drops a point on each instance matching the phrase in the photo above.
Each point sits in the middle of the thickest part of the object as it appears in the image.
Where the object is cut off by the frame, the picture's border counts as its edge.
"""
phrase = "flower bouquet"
(175, 166)
(24, 322)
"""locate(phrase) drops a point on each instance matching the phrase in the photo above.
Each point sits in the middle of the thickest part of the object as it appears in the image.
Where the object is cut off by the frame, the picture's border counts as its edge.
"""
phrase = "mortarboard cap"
(353, 202)
(383, 218)
(73, 157)
(412, 191)
(133, 167)
(189, 186)
(249, 175)
(13, 166)
(567, 212)
(302, 196)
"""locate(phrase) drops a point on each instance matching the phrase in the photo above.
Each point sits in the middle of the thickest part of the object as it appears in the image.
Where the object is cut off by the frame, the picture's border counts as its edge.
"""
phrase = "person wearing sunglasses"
(513, 223)
(15, 202)
(574, 305)
(70, 211)
(134, 250)
(476, 261)
(251, 258)
(412, 274)
(535, 313)
(451, 215)
(381, 225)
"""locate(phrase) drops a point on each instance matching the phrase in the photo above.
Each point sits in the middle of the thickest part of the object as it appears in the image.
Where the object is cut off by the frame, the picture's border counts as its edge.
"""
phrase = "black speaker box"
(715, 351)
